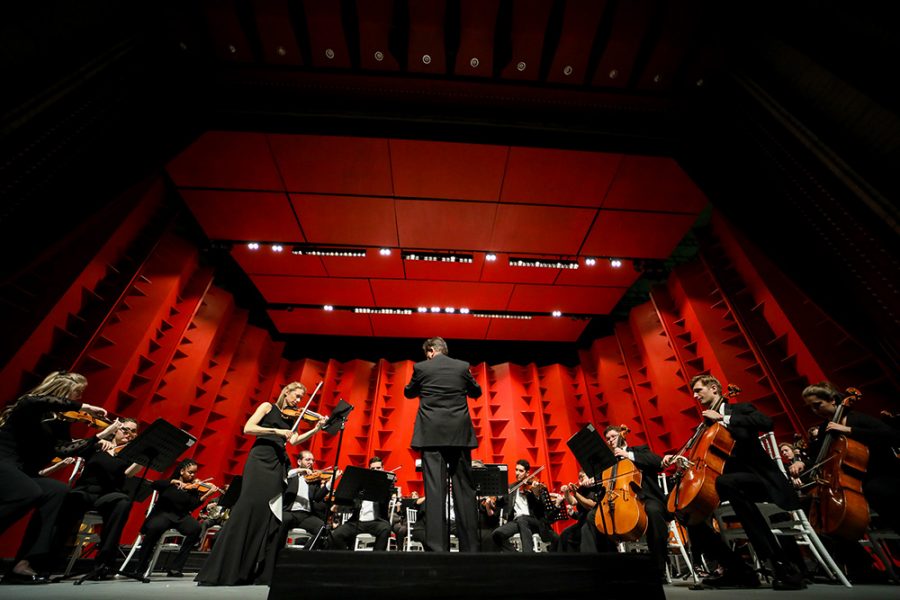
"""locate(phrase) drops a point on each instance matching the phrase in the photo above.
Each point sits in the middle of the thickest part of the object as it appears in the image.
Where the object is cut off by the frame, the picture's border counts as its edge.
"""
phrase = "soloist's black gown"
(238, 556)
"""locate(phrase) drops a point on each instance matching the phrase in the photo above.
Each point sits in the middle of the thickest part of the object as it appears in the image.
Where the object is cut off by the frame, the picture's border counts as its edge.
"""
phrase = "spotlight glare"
(590, 262)
(253, 246)
(277, 248)
(557, 313)
(435, 309)
(450, 310)
(423, 309)
(385, 252)
(615, 263)
(464, 311)
(328, 307)
(490, 257)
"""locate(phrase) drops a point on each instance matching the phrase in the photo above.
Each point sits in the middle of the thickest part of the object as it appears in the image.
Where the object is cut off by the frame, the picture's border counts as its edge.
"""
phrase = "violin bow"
(305, 408)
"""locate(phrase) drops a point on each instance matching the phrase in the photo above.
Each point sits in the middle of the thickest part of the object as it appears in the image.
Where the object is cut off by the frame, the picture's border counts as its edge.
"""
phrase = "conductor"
(445, 436)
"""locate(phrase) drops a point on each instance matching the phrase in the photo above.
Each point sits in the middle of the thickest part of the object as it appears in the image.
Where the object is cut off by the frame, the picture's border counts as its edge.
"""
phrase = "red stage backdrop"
(156, 338)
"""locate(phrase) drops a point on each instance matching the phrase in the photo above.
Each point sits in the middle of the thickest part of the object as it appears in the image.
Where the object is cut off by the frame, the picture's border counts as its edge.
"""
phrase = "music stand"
(490, 480)
(335, 422)
(359, 484)
(156, 448)
(591, 451)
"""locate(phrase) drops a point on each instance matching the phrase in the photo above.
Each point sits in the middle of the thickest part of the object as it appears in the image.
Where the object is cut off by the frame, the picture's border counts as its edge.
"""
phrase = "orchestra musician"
(444, 434)
(651, 494)
(30, 437)
(177, 499)
(370, 517)
(582, 498)
(252, 532)
(101, 487)
(881, 482)
(526, 512)
(304, 500)
(749, 476)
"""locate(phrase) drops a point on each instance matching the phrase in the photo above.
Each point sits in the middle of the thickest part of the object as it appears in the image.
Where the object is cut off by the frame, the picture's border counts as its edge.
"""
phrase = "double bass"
(700, 462)
(838, 506)
(621, 515)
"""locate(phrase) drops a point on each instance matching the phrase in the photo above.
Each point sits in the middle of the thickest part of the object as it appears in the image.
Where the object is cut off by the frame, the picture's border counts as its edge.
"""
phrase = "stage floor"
(161, 586)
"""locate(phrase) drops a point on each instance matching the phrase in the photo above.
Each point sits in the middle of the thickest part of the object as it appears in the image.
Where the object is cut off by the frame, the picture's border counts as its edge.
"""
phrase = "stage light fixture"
(328, 308)
(325, 251)
(277, 248)
(464, 311)
(385, 252)
(590, 261)
(501, 316)
(252, 246)
(556, 313)
(383, 311)
(543, 263)
(615, 263)
(490, 257)
(423, 309)
(447, 257)
(450, 310)
(435, 309)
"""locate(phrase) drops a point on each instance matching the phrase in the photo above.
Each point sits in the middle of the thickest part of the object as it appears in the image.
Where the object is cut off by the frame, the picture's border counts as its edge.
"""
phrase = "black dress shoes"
(787, 577)
(13, 578)
(174, 574)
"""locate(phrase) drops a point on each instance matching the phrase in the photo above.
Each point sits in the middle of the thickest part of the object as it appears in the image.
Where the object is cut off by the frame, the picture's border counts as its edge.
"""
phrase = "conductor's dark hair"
(437, 344)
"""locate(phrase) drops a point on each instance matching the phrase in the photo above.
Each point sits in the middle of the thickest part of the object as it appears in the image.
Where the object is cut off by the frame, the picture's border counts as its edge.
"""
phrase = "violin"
(308, 415)
(528, 483)
(201, 486)
(694, 496)
(77, 416)
(318, 476)
(621, 515)
(838, 506)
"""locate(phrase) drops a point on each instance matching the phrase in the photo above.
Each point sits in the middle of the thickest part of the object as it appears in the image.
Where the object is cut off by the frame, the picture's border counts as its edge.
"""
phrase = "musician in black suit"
(527, 514)
(651, 494)
(303, 506)
(369, 517)
(445, 436)
(750, 475)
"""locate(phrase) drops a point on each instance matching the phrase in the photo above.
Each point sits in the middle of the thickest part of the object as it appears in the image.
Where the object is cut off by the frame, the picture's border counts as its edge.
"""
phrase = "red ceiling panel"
(319, 322)
(566, 177)
(458, 294)
(602, 273)
(223, 159)
(374, 31)
(582, 17)
(326, 34)
(478, 20)
(541, 329)
(440, 271)
(426, 36)
(568, 299)
(262, 216)
(452, 327)
(279, 45)
(447, 170)
(540, 229)
(374, 266)
(227, 36)
(266, 262)
(630, 24)
(314, 290)
(529, 23)
(333, 165)
(636, 234)
(347, 220)
(500, 271)
(654, 183)
(444, 225)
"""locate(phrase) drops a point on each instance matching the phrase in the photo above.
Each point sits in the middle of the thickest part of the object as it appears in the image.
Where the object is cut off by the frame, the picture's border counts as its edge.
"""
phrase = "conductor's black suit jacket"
(443, 420)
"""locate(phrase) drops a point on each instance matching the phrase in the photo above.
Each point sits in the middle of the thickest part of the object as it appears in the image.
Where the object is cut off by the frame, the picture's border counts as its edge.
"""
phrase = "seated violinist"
(369, 517)
(526, 511)
(581, 499)
(304, 500)
(177, 499)
(101, 488)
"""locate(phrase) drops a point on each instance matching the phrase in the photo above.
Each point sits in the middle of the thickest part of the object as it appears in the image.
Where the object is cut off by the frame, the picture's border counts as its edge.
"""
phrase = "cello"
(700, 462)
(838, 505)
(621, 515)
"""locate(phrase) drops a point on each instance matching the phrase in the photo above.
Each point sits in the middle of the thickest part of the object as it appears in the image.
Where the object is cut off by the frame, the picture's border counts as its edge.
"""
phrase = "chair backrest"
(771, 447)
(411, 515)
(77, 467)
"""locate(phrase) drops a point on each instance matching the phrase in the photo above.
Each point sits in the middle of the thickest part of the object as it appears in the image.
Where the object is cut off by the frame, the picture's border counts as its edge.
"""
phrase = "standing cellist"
(650, 494)
(749, 476)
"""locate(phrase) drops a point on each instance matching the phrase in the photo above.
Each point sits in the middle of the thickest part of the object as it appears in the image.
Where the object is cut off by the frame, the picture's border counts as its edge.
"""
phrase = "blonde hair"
(823, 390)
(60, 384)
(707, 380)
(287, 390)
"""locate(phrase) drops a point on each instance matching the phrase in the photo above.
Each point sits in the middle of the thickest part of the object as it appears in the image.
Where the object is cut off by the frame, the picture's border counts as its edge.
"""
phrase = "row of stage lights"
(449, 310)
(436, 256)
